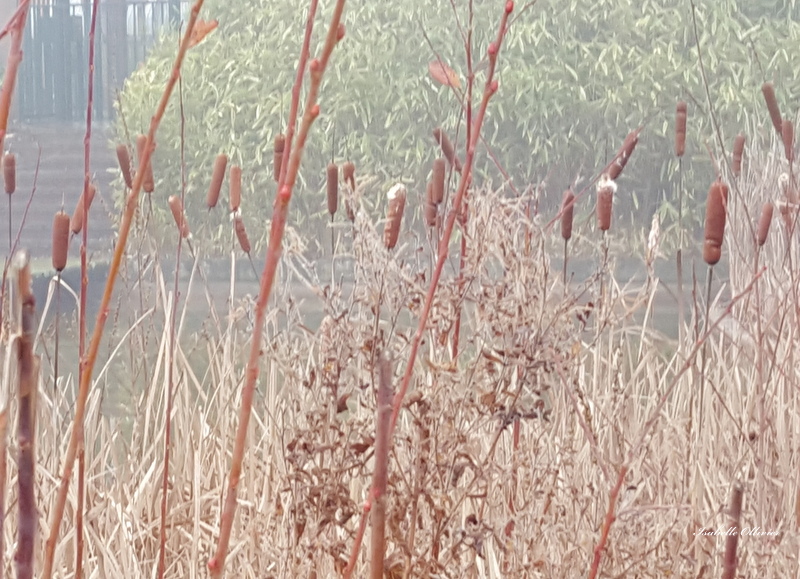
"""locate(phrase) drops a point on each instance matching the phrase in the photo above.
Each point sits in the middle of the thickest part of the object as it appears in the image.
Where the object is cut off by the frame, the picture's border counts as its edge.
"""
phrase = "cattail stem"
(729, 562)
(380, 475)
(28, 517)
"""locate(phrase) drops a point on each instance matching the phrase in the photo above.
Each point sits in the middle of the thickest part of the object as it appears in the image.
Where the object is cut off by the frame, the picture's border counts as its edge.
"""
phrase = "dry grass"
(575, 384)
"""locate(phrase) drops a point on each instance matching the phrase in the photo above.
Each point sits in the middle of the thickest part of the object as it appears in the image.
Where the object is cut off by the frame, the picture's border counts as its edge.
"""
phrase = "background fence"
(52, 83)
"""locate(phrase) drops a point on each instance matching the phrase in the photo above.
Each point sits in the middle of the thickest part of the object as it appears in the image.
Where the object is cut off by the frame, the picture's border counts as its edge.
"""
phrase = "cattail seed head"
(567, 213)
(764, 223)
(606, 187)
(787, 133)
(768, 90)
(148, 181)
(738, 152)
(176, 206)
(349, 175)
(623, 155)
(76, 223)
(448, 150)
(235, 187)
(217, 176)
(437, 180)
(241, 234)
(124, 159)
(430, 213)
(10, 172)
(277, 156)
(332, 176)
(680, 128)
(394, 215)
(715, 222)
(61, 224)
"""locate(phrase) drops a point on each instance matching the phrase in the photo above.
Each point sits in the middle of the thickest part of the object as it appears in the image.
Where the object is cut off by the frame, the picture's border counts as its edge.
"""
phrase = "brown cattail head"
(788, 205)
(447, 148)
(124, 159)
(60, 240)
(787, 133)
(176, 206)
(241, 234)
(277, 156)
(148, 181)
(738, 152)
(768, 90)
(332, 176)
(605, 200)
(623, 155)
(567, 212)
(349, 176)
(394, 215)
(437, 180)
(680, 129)
(76, 223)
(430, 213)
(764, 222)
(217, 176)
(715, 222)
(235, 185)
(10, 172)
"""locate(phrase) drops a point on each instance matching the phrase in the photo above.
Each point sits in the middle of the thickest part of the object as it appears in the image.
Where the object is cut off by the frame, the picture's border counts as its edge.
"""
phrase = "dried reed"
(176, 207)
(349, 176)
(76, 223)
(680, 128)
(606, 188)
(61, 228)
(10, 172)
(124, 160)
(448, 150)
(437, 180)
(279, 145)
(241, 234)
(396, 197)
(235, 188)
(148, 183)
(332, 188)
(716, 205)
(764, 223)
(26, 433)
(729, 561)
(622, 157)
(217, 177)
(768, 90)
(787, 134)
(738, 153)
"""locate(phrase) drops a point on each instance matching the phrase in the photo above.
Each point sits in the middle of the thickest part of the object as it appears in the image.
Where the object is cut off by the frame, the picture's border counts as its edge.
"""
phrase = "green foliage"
(574, 77)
